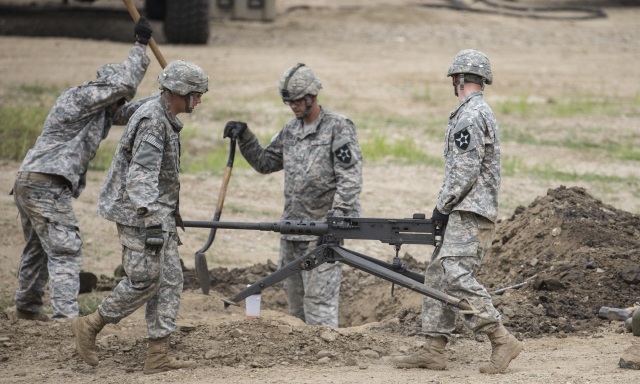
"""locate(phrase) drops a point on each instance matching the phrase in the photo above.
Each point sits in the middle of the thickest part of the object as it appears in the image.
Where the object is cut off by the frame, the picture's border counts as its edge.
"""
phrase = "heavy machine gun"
(333, 232)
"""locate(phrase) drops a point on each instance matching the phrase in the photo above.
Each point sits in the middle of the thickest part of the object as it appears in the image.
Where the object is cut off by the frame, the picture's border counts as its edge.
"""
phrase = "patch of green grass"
(547, 172)
(628, 152)
(104, 156)
(383, 136)
(6, 302)
(213, 162)
(527, 138)
(512, 166)
(23, 109)
(19, 129)
(567, 106)
(392, 123)
(426, 94)
(209, 157)
(231, 114)
(621, 150)
(38, 90)
(515, 166)
(249, 211)
(404, 150)
(88, 303)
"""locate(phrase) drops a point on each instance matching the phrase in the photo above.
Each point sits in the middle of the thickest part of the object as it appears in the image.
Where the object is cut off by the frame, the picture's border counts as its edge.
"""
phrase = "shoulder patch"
(154, 141)
(342, 152)
(462, 139)
(149, 152)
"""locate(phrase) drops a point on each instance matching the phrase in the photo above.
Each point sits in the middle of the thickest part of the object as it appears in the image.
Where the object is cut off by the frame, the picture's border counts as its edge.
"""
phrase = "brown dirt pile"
(577, 253)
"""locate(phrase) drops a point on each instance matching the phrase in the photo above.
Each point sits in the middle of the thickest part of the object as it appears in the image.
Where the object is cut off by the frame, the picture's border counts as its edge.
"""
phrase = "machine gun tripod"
(395, 232)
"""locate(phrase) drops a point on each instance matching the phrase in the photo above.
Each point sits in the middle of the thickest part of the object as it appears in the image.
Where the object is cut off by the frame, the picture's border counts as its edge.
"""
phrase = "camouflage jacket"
(142, 186)
(472, 160)
(81, 119)
(322, 167)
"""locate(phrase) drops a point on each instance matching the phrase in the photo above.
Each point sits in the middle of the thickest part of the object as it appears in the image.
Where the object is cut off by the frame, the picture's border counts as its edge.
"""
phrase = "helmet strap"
(285, 90)
(166, 97)
(454, 82)
(308, 102)
(461, 82)
(188, 100)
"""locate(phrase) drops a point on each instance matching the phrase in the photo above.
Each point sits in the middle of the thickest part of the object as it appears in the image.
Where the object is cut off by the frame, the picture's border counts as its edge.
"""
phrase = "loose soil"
(570, 252)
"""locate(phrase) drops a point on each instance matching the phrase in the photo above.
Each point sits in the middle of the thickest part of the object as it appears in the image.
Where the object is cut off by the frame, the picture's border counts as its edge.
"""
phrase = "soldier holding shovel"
(54, 171)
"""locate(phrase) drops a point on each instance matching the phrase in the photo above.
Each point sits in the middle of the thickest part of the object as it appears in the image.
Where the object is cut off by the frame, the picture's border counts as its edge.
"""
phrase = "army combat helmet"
(185, 79)
(473, 66)
(297, 82)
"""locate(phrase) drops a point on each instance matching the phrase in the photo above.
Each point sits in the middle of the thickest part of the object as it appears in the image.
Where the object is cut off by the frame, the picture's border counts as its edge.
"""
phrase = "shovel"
(133, 11)
(202, 271)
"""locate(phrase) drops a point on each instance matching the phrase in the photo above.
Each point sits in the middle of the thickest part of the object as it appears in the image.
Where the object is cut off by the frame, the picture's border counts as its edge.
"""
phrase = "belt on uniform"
(45, 177)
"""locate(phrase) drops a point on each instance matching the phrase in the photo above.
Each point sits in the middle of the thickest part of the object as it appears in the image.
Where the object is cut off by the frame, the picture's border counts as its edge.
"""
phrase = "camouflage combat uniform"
(470, 195)
(54, 171)
(142, 189)
(323, 172)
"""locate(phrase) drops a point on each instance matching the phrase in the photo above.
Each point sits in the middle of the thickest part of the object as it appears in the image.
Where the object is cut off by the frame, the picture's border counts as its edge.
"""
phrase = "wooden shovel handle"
(152, 44)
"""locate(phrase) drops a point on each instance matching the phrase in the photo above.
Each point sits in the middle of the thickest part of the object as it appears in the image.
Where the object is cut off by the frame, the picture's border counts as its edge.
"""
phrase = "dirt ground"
(576, 252)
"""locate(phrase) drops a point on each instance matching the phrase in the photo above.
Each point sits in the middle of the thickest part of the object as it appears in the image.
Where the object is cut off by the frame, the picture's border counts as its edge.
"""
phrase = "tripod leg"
(305, 263)
(354, 260)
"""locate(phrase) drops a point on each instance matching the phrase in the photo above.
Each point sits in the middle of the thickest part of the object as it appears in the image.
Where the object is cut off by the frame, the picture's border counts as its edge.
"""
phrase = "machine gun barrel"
(416, 230)
(316, 228)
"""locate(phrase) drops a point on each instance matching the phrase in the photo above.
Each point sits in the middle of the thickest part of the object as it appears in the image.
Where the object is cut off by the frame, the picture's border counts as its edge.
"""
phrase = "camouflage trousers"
(313, 296)
(453, 270)
(154, 279)
(52, 251)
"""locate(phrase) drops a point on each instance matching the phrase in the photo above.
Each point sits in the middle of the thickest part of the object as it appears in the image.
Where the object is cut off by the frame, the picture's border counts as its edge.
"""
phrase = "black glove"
(153, 238)
(142, 31)
(234, 129)
(439, 217)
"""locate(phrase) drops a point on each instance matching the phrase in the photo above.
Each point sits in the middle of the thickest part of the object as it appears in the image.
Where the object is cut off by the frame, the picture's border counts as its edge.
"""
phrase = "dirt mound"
(574, 254)
(261, 343)
(577, 255)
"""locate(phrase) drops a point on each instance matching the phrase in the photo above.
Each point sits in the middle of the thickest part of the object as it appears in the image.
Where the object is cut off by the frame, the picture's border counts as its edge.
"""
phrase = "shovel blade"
(202, 272)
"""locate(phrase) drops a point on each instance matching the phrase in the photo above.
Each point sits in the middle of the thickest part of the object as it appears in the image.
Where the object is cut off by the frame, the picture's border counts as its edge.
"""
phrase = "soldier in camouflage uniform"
(54, 171)
(468, 206)
(140, 194)
(322, 161)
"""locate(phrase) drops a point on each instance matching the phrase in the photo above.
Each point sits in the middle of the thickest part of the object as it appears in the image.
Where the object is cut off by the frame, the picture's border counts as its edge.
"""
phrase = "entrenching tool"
(202, 271)
(135, 15)
(395, 232)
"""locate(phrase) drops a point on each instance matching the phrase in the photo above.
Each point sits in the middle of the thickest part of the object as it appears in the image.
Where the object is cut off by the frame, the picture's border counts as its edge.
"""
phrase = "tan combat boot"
(26, 315)
(504, 348)
(158, 361)
(431, 357)
(85, 329)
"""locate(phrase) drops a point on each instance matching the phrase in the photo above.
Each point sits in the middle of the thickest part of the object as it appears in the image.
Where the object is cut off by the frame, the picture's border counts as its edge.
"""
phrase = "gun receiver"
(395, 232)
